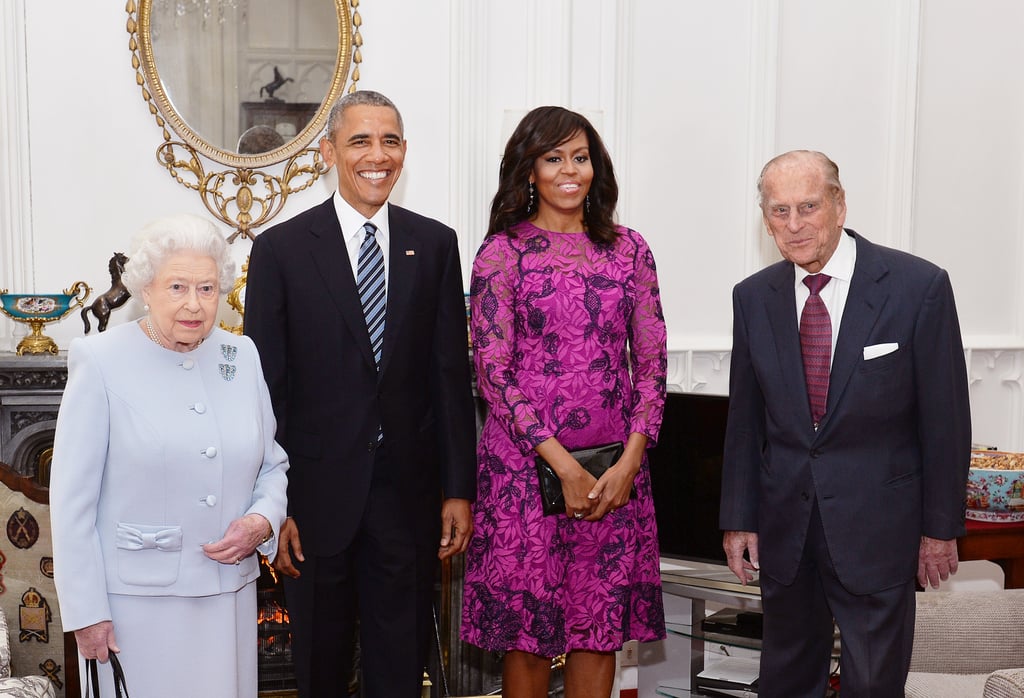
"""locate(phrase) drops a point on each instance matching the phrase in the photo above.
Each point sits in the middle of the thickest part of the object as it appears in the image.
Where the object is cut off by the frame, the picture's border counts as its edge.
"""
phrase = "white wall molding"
(761, 128)
(16, 261)
(698, 371)
(997, 397)
(549, 52)
(468, 199)
(1018, 295)
(898, 215)
(702, 370)
(996, 376)
(622, 100)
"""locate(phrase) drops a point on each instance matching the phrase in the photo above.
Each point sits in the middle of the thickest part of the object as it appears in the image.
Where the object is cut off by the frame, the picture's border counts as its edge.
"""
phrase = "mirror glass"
(245, 82)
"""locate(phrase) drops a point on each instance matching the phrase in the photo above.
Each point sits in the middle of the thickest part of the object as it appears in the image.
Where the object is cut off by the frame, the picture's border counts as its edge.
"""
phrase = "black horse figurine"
(117, 296)
(271, 87)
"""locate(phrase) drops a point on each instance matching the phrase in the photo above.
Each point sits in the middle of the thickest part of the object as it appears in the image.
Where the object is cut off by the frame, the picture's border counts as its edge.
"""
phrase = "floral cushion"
(26, 687)
(5, 648)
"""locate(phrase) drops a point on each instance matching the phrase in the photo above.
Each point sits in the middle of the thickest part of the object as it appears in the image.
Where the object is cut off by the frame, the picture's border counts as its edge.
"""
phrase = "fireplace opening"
(276, 676)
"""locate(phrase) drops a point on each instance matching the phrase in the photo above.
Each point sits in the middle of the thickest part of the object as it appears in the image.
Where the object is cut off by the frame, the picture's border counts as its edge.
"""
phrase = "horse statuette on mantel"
(117, 296)
(274, 85)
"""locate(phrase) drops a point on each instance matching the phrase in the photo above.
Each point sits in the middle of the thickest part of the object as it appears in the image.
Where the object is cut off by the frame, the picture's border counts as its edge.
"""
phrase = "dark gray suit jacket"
(302, 311)
(889, 461)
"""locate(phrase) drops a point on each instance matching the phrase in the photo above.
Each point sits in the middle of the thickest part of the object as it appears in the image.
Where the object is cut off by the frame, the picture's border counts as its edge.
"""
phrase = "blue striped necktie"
(372, 293)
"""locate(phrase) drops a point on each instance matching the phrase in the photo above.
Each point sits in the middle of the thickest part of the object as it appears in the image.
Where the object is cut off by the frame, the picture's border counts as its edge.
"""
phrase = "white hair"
(164, 237)
(829, 171)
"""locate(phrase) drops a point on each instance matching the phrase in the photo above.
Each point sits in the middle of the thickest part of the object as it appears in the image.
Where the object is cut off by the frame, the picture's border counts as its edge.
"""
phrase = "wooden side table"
(1002, 543)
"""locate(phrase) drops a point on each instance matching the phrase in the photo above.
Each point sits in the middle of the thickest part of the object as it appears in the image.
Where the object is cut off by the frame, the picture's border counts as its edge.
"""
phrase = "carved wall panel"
(996, 378)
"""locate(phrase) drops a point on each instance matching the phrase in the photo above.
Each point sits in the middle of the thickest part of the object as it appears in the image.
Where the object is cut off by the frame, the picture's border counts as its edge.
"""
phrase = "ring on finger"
(578, 515)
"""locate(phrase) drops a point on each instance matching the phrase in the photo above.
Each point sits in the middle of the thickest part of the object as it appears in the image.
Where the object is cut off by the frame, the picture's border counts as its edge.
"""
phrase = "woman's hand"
(613, 490)
(577, 483)
(240, 540)
(97, 641)
(576, 486)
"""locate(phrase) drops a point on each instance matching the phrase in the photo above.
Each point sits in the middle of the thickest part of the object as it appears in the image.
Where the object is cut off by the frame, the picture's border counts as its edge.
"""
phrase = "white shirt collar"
(352, 221)
(840, 265)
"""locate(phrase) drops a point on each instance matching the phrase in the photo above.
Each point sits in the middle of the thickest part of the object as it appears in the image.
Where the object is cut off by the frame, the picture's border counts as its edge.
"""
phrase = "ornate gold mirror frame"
(242, 195)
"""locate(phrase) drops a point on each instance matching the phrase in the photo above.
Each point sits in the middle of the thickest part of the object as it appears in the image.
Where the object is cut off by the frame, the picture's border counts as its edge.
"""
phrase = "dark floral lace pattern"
(569, 341)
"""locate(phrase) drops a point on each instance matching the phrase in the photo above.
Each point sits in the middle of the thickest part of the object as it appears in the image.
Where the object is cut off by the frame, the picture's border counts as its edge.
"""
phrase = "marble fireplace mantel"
(30, 393)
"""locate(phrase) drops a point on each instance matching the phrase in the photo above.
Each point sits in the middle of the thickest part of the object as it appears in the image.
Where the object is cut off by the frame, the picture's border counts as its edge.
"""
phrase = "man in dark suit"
(377, 419)
(845, 459)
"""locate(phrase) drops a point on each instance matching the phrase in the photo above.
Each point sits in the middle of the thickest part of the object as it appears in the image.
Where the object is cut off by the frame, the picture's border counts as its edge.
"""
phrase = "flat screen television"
(686, 476)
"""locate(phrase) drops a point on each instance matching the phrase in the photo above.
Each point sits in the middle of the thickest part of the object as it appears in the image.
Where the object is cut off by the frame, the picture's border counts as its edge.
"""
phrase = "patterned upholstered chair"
(18, 687)
(968, 644)
(33, 637)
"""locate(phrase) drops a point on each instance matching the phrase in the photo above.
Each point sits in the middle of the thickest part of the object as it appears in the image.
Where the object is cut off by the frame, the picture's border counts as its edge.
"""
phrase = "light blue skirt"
(176, 646)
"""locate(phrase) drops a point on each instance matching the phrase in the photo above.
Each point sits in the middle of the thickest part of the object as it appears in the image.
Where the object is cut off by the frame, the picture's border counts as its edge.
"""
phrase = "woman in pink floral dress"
(569, 347)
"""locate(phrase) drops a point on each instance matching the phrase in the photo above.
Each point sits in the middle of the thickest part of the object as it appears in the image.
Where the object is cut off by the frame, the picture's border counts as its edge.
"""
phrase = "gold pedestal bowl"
(37, 309)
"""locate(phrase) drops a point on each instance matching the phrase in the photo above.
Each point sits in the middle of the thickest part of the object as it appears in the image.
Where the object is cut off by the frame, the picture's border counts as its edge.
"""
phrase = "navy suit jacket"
(302, 310)
(889, 461)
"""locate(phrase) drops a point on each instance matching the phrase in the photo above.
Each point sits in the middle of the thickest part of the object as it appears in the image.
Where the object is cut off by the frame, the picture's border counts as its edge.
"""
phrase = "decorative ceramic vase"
(995, 486)
(37, 309)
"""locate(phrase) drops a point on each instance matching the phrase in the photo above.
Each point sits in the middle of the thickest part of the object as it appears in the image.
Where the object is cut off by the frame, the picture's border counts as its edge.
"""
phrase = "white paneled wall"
(969, 160)
(920, 102)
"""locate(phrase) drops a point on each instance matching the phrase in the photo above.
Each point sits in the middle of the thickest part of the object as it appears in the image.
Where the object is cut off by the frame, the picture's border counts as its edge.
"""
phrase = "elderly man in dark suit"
(848, 439)
(357, 309)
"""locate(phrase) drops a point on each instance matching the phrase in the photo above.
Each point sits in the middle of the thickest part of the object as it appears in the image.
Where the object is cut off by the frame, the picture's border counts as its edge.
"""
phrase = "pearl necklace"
(152, 333)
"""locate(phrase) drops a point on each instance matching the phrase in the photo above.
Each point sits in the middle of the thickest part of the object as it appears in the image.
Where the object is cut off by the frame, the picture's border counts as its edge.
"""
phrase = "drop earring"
(529, 205)
(586, 205)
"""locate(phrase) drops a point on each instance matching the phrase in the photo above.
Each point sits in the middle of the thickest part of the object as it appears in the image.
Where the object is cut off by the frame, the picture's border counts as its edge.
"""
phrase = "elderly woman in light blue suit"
(166, 479)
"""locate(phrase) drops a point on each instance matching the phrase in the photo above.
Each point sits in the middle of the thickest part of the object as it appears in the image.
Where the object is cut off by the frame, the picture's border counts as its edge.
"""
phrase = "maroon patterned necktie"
(816, 345)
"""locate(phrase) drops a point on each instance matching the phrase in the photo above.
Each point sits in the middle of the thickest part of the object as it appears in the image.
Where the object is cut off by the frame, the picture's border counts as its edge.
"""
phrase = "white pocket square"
(876, 350)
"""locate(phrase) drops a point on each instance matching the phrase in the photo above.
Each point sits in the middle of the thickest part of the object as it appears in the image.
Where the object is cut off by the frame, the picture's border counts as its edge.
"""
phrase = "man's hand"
(289, 549)
(936, 561)
(735, 543)
(456, 527)
(97, 641)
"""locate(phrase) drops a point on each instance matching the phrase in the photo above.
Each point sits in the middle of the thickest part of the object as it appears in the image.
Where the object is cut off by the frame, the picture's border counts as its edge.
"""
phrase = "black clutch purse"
(595, 460)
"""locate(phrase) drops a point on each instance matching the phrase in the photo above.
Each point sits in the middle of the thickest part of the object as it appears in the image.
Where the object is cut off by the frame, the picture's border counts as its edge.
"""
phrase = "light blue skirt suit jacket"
(155, 453)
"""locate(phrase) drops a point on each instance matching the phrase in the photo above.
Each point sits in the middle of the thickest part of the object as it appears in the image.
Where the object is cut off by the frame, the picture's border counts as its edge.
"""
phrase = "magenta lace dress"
(569, 341)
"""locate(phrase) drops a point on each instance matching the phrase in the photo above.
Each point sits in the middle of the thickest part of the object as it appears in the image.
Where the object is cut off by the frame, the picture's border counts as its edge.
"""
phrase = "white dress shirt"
(352, 223)
(840, 268)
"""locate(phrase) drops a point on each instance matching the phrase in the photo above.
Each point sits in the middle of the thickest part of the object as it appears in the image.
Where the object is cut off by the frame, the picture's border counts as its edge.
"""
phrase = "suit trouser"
(876, 631)
(383, 580)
